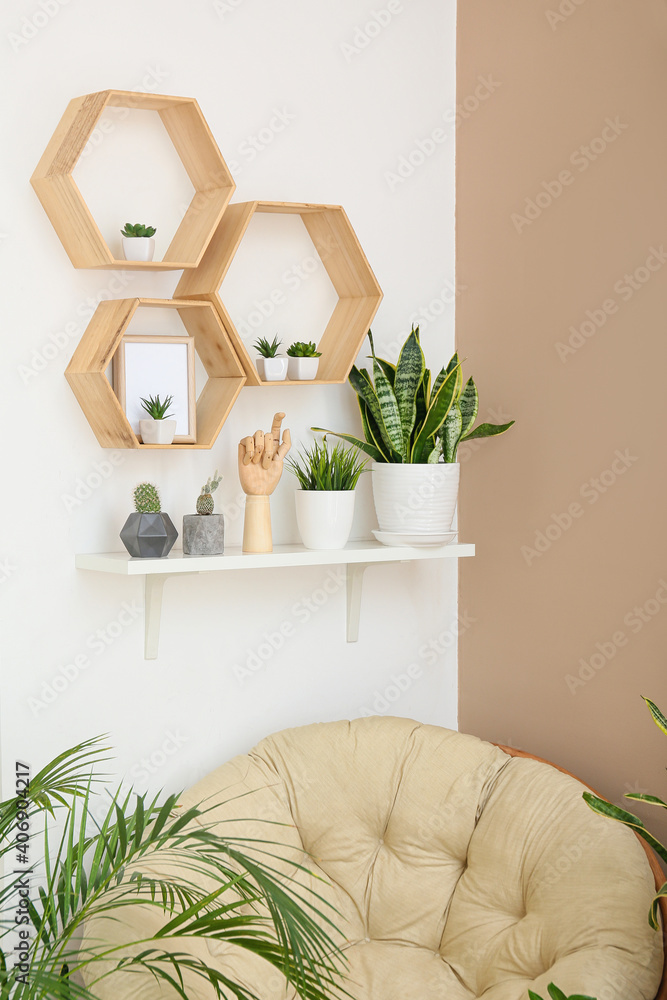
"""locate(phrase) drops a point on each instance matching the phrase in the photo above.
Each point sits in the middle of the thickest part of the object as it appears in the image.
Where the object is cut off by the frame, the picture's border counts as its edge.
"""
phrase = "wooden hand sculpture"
(260, 468)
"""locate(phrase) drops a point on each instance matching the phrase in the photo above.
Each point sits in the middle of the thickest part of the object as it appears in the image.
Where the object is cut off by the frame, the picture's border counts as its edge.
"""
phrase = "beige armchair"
(460, 870)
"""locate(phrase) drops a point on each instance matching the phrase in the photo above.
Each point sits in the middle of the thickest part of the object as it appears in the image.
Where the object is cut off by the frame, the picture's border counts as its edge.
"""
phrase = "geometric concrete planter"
(203, 535)
(148, 536)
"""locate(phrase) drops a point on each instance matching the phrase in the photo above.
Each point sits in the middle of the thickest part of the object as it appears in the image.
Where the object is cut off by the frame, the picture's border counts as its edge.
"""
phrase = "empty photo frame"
(146, 366)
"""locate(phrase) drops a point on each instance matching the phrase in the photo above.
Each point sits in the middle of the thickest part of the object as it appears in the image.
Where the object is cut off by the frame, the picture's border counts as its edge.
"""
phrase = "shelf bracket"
(354, 586)
(153, 587)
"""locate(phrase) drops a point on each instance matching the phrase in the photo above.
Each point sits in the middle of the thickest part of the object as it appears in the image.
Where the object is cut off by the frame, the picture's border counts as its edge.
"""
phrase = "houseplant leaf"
(487, 430)
(409, 377)
(469, 405)
(436, 416)
(391, 417)
(451, 434)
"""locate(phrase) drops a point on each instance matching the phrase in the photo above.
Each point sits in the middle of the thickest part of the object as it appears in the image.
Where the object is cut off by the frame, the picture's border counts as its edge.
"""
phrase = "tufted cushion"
(460, 872)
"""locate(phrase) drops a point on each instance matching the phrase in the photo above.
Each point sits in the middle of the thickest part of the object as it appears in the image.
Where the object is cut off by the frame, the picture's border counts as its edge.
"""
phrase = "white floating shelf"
(357, 556)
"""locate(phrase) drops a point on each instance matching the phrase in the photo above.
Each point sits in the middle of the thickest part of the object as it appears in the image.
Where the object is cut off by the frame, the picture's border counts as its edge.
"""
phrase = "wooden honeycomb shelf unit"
(194, 143)
(334, 239)
(86, 372)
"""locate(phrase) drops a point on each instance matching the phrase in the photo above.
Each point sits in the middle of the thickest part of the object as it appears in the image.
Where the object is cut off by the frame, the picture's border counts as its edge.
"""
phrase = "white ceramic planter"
(272, 369)
(138, 248)
(324, 517)
(302, 369)
(157, 431)
(419, 499)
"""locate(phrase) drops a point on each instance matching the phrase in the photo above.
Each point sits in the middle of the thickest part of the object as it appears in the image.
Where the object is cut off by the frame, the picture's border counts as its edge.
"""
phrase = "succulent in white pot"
(138, 242)
(271, 366)
(303, 361)
(325, 500)
(412, 429)
(157, 428)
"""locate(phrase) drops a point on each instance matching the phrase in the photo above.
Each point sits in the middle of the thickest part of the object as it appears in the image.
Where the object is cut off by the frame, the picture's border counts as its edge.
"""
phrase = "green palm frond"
(96, 869)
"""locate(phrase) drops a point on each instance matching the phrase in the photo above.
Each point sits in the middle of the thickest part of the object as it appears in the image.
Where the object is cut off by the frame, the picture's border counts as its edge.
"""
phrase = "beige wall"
(560, 71)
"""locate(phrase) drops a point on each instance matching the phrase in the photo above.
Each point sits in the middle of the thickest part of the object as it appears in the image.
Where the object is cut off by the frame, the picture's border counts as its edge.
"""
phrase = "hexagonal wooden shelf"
(193, 141)
(335, 241)
(86, 371)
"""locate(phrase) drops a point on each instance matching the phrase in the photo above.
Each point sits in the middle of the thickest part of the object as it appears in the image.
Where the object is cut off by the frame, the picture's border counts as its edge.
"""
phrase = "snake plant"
(605, 808)
(557, 994)
(408, 419)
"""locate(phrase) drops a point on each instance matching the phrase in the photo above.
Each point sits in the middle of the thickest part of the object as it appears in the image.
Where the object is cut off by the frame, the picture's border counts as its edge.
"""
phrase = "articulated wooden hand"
(261, 459)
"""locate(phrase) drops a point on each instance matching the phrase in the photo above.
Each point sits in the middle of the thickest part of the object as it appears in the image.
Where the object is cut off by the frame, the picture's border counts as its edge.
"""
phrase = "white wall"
(350, 109)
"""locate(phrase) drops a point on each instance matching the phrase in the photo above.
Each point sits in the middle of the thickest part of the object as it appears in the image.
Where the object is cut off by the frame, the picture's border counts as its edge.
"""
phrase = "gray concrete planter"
(203, 535)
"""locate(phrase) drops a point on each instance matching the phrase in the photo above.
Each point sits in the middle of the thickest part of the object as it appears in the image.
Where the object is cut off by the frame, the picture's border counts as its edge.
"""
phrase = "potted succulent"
(325, 498)
(412, 429)
(138, 242)
(271, 366)
(204, 532)
(303, 361)
(157, 428)
(148, 533)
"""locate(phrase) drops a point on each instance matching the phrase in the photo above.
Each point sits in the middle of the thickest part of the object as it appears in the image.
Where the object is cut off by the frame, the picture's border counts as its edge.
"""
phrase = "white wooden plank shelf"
(356, 556)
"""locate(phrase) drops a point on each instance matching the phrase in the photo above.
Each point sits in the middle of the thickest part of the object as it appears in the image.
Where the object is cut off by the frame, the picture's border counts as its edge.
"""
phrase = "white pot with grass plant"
(325, 499)
(157, 428)
(138, 242)
(271, 366)
(412, 428)
(303, 361)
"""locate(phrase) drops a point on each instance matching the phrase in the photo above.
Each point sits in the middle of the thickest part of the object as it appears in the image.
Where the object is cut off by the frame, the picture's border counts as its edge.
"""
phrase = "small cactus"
(146, 498)
(205, 502)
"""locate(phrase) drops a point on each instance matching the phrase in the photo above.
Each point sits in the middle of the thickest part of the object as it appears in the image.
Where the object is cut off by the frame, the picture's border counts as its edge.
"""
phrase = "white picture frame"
(146, 365)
